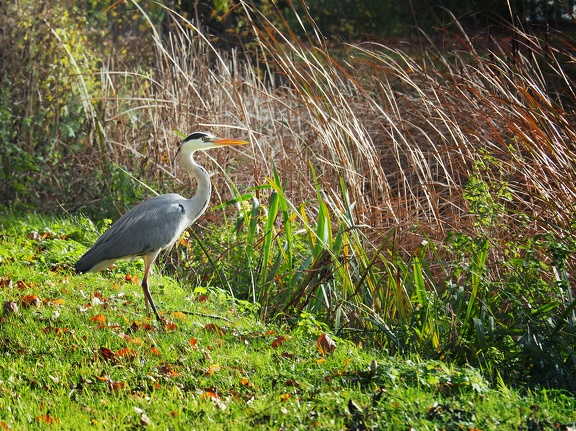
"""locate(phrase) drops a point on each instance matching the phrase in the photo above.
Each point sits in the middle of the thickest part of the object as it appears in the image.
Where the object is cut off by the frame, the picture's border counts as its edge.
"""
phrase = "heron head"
(204, 141)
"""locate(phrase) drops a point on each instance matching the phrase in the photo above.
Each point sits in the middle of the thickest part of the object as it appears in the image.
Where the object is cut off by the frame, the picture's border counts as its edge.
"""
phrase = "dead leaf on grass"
(21, 285)
(132, 279)
(10, 307)
(279, 341)
(325, 344)
(144, 419)
(116, 386)
(6, 282)
(178, 315)
(212, 327)
(112, 385)
(194, 343)
(57, 301)
(107, 354)
(208, 394)
(292, 383)
(47, 419)
(28, 301)
(140, 326)
(98, 318)
(168, 371)
(169, 326)
(127, 353)
(55, 330)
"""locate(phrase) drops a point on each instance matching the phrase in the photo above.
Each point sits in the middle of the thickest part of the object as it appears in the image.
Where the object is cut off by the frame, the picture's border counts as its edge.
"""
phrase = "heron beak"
(226, 141)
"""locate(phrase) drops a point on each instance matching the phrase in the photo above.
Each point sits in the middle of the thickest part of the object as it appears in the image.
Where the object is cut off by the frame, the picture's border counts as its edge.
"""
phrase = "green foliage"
(293, 264)
(513, 312)
(446, 300)
(52, 111)
(44, 101)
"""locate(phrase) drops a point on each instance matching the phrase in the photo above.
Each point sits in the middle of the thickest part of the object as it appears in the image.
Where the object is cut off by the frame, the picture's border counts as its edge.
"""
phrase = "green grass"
(86, 357)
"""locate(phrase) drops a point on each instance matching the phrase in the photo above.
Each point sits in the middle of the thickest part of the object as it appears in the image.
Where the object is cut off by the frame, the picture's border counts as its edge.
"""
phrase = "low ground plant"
(444, 300)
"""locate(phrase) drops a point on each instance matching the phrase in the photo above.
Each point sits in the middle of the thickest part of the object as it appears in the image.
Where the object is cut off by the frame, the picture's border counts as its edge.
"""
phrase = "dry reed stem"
(403, 131)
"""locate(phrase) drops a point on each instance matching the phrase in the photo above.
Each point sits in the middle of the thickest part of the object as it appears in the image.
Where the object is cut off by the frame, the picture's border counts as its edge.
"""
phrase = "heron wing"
(152, 225)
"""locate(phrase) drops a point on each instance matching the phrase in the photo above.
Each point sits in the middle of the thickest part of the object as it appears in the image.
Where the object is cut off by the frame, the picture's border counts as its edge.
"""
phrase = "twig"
(212, 316)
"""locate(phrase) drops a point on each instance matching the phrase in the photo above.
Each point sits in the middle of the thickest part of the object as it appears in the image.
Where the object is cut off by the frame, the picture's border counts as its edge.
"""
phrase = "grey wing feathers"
(152, 225)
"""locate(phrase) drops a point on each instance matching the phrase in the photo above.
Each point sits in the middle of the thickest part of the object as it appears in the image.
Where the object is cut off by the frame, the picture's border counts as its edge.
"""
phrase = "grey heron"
(157, 223)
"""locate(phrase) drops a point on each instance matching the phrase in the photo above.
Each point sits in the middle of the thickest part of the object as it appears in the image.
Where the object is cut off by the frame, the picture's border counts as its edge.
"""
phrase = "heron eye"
(205, 138)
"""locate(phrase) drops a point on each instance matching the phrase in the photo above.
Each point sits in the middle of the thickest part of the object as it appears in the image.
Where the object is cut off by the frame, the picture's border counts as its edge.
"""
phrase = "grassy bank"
(79, 353)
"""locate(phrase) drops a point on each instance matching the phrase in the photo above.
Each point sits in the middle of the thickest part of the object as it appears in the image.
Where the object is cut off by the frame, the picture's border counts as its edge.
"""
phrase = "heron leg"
(147, 296)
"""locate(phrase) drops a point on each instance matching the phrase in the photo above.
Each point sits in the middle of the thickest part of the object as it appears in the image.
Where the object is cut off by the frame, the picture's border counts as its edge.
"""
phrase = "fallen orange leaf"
(211, 327)
(106, 353)
(167, 369)
(58, 301)
(126, 352)
(279, 341)
(99, 318)
(179, 315)
(325, 344)
(140, 325)
(170, 326)
(47, 419)
(21, 285)
(28, 301)
(57, 331)
(115, 386)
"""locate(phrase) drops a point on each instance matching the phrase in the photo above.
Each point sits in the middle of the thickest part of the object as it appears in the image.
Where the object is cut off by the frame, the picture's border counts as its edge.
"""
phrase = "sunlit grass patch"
(84, 355)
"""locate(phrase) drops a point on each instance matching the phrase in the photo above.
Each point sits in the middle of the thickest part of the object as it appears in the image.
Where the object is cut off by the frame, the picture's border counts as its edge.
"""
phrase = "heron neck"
(204, 188)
